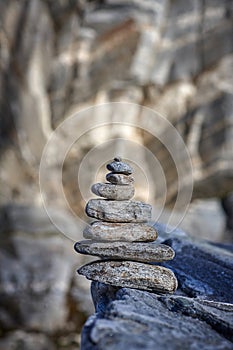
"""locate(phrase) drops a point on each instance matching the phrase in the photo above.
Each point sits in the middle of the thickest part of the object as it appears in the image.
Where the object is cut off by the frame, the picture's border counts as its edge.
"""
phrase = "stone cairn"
(122, 239)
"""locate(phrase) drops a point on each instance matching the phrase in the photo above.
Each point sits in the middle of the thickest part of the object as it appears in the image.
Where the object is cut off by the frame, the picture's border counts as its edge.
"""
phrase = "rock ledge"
(198, 316)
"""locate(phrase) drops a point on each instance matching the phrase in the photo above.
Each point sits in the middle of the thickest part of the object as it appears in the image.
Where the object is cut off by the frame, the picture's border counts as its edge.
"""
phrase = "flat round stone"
(120, 167)
(108, 231)
(131, 274)
(134, 251)
(118, 211)
(111, 191)
(120, 179)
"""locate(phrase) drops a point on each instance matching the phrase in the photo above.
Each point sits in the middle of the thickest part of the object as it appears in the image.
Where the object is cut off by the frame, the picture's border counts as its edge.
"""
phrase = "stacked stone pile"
(122, 238)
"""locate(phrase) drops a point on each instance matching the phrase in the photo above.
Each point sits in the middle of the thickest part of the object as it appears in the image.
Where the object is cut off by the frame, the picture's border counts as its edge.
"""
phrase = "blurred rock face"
(175, 57)
(59, 57)
(39, 292)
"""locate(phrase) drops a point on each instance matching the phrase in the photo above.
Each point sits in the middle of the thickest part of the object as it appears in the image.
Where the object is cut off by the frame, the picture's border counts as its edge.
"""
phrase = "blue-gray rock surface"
(198, 316)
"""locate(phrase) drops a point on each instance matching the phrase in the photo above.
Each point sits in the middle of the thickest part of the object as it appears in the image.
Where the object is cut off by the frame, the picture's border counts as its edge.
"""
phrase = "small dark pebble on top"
(117, 159)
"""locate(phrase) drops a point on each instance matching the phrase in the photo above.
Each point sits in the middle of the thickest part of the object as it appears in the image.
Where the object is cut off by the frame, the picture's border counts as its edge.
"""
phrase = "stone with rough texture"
(198, 316)
(142, 252)
(131, 274)
(107, 231)
(111, 191)
(122, 211)
(120, 167)
(119, 179)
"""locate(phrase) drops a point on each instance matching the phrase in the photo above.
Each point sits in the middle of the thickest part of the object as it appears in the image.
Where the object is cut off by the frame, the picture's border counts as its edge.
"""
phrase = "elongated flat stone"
(120, 179)
(107, 231)
(143, 252)
(120, 167)
(118, 211)
(131, 274)
(111, 191)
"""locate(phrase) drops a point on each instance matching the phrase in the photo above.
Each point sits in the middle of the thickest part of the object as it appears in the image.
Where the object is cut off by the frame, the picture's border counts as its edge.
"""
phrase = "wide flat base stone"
(142, 252)
(118, 211)
(131, 274)
(107, 231)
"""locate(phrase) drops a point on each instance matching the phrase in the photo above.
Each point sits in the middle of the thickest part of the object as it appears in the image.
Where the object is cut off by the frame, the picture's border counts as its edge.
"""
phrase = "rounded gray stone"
(143, 252)
(118, 211)
(120, 167)
(111, 191)
(108, 231)
(131, 274)
(119, 179)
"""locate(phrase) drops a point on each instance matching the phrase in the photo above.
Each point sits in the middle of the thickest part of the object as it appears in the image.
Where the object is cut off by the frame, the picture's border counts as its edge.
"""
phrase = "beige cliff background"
(60, 57)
